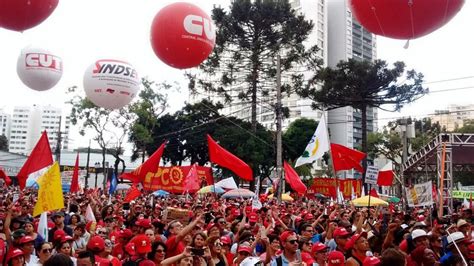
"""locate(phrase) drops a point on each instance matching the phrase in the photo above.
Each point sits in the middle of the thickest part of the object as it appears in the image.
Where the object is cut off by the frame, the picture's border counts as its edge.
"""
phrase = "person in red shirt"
(175, 244)
(96, 245)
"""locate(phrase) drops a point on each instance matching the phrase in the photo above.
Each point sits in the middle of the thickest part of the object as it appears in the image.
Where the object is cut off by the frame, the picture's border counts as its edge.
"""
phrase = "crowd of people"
(97, 229)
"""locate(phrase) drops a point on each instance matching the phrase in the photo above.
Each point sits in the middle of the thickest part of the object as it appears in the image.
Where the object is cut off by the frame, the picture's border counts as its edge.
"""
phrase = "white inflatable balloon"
(38, 68)
(111, 84)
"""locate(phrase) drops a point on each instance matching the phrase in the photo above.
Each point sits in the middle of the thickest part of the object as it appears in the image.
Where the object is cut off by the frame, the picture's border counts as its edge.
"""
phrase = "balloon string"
(407, 44)
(376, 17)
(446, 10)
(410, 6)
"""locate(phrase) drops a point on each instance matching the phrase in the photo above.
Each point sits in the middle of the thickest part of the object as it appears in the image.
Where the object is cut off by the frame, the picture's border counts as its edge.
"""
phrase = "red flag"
(222, 157)
(132, 193)
(4, 176)
(75, 177)
(344, 158)
(385, 177)
(149, 166)
(293, 179)
(39, 158)
(373, 193)
(192, 181)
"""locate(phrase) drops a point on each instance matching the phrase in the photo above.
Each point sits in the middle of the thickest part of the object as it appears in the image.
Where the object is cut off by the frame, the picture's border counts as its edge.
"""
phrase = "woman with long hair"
(199, 240)
(75, 219)
(15, 258)
(158, 252)
(43, 252)
(217, 255)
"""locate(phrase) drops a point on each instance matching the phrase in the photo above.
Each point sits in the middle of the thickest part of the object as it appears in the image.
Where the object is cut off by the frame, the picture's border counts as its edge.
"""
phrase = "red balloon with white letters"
(20, 15)
(404, 19)
(182, 35)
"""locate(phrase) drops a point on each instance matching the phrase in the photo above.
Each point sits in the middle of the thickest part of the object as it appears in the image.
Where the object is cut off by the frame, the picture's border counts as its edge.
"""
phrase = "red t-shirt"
(173, 247)
(117, 251)
(306, 257)
(99, 261)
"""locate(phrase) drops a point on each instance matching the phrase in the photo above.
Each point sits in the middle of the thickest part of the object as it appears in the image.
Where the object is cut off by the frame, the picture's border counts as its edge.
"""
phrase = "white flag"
(90, 214)
(43, 226)
(317, 146)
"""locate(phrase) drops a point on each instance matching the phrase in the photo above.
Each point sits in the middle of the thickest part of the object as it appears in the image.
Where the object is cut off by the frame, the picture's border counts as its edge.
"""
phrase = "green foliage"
(152, 102)
(468, 127)
(186, 132)
(3, 143)
(249, 36)
(297, 136)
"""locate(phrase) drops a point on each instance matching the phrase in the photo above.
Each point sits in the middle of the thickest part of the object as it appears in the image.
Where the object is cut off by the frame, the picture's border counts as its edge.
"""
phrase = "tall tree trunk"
(363, 110)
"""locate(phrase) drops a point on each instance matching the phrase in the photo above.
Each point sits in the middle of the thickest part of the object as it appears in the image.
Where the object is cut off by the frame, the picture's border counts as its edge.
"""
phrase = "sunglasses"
(292, 241)
(218, 244)
(160, 251)
(46, 250)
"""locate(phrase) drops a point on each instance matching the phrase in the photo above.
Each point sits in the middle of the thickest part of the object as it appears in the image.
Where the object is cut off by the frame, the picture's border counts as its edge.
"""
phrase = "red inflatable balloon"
(182, 35)
(20, 15)
(404, 19)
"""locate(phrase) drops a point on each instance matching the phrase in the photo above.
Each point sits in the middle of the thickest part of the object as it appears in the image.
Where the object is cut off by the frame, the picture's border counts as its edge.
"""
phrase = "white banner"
(371, 175)
(420, 195)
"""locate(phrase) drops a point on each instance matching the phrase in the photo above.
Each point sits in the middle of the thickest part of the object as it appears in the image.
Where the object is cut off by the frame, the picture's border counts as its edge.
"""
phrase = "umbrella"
(238, 193)
(364, 202)
(211, 189)
(393, 199)
(284, 197)
(161, 193)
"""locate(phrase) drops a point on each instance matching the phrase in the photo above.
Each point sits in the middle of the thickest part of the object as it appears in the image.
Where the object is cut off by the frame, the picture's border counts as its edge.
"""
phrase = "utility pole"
(58, 143)
(279, 162)
(403, 127)
(86, 185)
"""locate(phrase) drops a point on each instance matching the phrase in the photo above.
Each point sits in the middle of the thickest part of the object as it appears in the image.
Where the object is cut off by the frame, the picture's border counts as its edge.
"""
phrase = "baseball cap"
(145, 223)
(57, 214)
(244, 248)
(285, 235)
(142, 244)
(126, 233)
(336, 258)
(253, 217)
(371, 261)
(59, 234)
(14, 253)
(318, 247)
(340, 231)
(350, 244)
(226, 240)
(455, 237)
(26, 239)
(418, 233)
(96, 243)
(66, 238)
(308, 216)
(19, 233)
(235, 212)
(130, 249)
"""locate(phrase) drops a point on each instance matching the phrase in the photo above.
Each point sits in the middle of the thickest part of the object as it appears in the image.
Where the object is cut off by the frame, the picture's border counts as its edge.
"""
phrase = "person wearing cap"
(142, 246)
(320, 254)
(58, 219)
(464, 227)
(65, 247)
(419, 237)
(96, 245)
(456, 249)
(243, 251)
(357, 247)
(289, 244)
(15, 257)
(340, 239)
(27, 245)
(30, 231)
(371, 261)
(175, 244)
(336, 258)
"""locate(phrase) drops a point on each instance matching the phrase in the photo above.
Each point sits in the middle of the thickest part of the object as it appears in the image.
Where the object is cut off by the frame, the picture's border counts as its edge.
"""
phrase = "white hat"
(418, 233)
(370, 234)
(455, 237)
(404, 226)
(461, 222)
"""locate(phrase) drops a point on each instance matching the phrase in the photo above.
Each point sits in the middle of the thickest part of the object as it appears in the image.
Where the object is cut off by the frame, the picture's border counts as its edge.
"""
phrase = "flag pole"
(330, 156)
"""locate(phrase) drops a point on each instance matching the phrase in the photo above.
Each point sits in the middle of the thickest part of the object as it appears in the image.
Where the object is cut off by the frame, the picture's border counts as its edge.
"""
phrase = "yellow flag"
(50, 193)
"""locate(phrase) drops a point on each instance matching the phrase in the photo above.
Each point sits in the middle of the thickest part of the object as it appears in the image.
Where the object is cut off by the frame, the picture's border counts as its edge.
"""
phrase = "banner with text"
(327, 187)
(420, 195)
(461, 194)
(171, 178)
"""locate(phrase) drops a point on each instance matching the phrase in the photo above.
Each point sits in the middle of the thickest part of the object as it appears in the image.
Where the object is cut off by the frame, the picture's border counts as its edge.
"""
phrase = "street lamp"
(97, 167)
